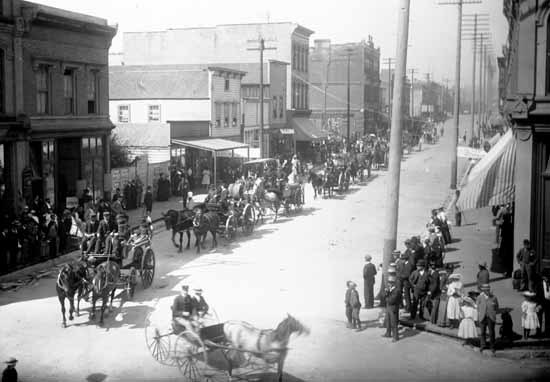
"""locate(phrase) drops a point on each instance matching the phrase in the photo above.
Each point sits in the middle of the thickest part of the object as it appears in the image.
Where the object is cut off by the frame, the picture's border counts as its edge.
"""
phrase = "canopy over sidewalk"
(491, 181)
(306, 130)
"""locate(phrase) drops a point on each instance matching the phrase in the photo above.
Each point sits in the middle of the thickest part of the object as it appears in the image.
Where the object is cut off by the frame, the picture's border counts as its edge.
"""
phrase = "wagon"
(136, 258)
(293, 195)
(202, 354)
(232, 217)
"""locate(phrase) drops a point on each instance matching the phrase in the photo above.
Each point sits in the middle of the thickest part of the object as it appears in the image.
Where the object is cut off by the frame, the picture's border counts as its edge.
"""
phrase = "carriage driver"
(182, 310)
(116, 239)
(200, 305)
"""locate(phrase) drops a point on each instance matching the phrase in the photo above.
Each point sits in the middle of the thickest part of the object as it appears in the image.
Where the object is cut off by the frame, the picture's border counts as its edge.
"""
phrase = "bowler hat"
(421, 263)
(485, 287)
(11, 360)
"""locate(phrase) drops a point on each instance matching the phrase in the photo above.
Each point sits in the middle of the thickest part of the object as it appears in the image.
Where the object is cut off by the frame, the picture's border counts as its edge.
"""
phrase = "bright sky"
(432, 33)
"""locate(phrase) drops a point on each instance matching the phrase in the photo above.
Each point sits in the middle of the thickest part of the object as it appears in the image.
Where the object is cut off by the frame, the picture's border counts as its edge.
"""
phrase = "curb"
(26, 272)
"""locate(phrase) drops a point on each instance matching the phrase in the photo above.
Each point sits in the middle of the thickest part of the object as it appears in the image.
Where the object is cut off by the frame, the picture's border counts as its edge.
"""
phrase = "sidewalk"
(472, 244)
(28, 274)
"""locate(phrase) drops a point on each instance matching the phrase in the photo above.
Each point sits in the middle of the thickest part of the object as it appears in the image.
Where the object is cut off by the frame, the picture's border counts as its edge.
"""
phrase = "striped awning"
(493, 184)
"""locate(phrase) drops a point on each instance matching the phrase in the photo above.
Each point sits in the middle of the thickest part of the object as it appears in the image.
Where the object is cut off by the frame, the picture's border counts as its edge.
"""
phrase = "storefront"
(307, 137)
(281, 142)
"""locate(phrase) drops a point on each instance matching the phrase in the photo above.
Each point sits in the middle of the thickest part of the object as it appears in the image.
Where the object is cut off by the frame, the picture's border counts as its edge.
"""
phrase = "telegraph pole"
(412, 92)
(474, 84)
(456, 106)
(389, 61)
(261, 48)
(396, 138)
(349, 51)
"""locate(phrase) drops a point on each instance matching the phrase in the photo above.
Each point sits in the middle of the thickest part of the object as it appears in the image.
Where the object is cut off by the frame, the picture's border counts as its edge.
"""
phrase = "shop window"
(92, 92)
(68, 90)
(154, 113)
(124, 113)
(43, 90)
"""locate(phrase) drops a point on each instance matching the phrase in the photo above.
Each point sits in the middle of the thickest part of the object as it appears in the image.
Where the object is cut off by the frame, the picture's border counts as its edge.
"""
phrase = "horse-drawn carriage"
(232, 216)
(207, 350)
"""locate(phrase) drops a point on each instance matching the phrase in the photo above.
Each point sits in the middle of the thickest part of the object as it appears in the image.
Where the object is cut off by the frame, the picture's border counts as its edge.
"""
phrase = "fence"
(148, 174)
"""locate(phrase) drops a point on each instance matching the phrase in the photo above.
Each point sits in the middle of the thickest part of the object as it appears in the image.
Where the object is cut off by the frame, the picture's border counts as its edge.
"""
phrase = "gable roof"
(157, 82)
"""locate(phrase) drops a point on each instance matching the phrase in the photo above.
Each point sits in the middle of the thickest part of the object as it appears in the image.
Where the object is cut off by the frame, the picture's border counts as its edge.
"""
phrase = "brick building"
(231, 43)
(54, 108)
(328, 91)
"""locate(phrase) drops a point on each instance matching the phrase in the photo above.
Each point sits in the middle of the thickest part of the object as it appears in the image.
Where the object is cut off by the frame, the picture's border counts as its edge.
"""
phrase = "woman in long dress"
(455, 298)
(443, 301)
(467, 329)
(529, 318)
(205, 178)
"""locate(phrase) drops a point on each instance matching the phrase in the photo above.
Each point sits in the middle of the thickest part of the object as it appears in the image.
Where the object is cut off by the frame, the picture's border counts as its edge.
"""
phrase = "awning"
(306, 130)
(491, 181)
(211, 144)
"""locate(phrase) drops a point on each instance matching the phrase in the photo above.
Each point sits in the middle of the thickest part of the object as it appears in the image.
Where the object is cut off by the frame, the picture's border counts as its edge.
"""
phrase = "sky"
(432, 29)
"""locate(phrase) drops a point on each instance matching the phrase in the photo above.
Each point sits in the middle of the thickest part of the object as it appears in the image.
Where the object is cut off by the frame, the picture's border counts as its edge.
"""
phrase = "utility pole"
(349, 52)
(261, 41)
(456, 106)
(389, 61)
(473, 84)
(412, 92)
(396, 136)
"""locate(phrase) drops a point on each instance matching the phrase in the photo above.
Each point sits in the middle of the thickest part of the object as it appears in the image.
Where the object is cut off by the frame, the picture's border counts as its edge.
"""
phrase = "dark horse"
(71, 280)
(104, 283)
(271, 345)
(316, 182)
(179, 222)
(203, 223)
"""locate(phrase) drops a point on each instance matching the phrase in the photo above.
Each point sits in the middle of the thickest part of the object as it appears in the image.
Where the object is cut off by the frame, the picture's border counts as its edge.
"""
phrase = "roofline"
(279, 62)
(58, 12)
(304, 30)
(160, 99)
(225, 69)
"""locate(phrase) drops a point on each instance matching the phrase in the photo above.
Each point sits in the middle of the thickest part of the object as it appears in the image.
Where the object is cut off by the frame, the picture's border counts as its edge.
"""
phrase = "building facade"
(54, 108)
(329, 82)
(525, 74)
(232, 43)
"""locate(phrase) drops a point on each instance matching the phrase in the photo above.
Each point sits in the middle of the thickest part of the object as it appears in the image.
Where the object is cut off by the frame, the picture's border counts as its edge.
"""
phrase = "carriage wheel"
(159, 345)
(147, 272)
(190, 356)
(248, 219)
(230, 227)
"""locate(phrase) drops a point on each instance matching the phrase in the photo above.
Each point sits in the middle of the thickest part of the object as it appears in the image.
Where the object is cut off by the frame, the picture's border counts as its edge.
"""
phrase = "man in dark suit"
(487, 307)
(404, 269)
(527, 260)
(419, 282)
(434, 291)
(369, 272)
(393, 301)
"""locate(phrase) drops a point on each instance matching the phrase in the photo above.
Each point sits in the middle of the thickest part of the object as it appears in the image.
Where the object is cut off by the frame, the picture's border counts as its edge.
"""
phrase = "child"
(467, 328)
(348, 305)
(529, 318)
(355, 304)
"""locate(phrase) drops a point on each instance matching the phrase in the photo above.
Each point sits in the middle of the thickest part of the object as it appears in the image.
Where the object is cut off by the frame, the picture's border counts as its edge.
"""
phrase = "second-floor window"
(92, 92)
(42, 90)
(226, 111)
(154, 113)
(124, 113)
(226, 85)
(274, 106)
(235, 114)
(218, 107)
(68, 90)
(281, 107)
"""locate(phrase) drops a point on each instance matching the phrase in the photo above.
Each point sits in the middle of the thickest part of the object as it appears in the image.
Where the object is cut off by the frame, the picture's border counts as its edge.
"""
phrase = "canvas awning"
(491, 181)
(306, 130)
(212, 144)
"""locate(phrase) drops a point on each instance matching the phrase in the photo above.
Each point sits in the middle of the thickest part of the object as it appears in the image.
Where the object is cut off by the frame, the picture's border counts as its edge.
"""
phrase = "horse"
(270, 345)
(316, 182)
(272, 196)
(205, 222)
(71, 280)
(104, 283)
(179, 222)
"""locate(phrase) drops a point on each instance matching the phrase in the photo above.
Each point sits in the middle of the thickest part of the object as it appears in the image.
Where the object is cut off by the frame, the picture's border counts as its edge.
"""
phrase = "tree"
(120, 155)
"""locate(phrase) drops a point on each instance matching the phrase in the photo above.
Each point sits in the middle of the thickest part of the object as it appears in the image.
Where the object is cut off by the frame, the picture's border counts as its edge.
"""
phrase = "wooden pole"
(392, 201)
(456, 108)
(262, 46)
(474, 84)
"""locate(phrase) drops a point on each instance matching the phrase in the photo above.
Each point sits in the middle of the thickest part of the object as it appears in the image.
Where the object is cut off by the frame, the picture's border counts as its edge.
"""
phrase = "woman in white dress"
(454, 292)
(467, 329)
(205, 178)
(529, 318)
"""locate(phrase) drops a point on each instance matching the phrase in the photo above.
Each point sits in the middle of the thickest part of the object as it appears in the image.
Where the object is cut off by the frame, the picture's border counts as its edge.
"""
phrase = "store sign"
(287, 131)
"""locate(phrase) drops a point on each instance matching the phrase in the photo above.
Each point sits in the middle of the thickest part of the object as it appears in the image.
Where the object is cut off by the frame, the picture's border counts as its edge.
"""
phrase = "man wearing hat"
(105, 227)
(404, 269)
(487, 307)
(200, 305)
(182, 309)
(420, 280)
(121, 235)
(482, 275)
(434, 292)
(369, 272)
(527, 260)
(90, 234)
(393, 301)
(10, 374)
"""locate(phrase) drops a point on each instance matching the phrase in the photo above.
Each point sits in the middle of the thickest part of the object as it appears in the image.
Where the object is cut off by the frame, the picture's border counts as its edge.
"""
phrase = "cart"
(201, 354)
(233, 215)
(136, 257)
